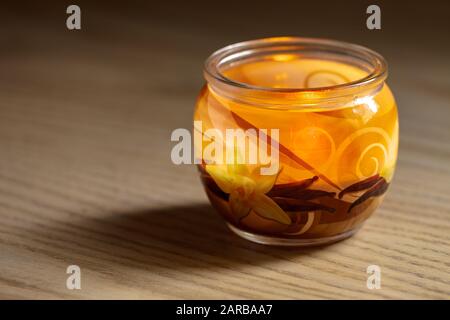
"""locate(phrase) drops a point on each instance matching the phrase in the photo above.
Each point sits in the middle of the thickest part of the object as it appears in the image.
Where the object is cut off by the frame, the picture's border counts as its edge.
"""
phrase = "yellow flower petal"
(239, 205)
(220, 175)
(228, 181)
(267, 208)
(264, 183)
(238, 169)
(237, 164)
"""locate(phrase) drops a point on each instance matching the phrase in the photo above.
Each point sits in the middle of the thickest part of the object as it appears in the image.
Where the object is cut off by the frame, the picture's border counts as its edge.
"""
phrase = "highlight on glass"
(336, 143)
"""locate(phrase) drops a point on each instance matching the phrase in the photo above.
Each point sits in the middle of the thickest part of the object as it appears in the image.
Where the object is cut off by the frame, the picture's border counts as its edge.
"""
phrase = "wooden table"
(86, 177)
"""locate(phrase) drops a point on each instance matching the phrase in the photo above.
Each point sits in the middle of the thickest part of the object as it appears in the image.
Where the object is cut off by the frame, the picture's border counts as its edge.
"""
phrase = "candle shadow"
(179, 238)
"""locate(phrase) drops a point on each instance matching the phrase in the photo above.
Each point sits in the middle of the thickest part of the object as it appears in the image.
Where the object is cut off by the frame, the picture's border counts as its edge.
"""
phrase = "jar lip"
(377, 75)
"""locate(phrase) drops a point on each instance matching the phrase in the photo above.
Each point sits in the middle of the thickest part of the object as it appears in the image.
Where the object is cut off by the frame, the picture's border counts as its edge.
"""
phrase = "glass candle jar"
(323, 115)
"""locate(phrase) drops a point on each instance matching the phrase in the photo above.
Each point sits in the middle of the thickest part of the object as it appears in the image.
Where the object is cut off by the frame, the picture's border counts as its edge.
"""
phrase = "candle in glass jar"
(337, 137)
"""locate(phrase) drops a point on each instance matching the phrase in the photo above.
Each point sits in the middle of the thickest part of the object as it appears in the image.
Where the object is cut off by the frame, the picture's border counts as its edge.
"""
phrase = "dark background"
(413, 32)
(169, 40)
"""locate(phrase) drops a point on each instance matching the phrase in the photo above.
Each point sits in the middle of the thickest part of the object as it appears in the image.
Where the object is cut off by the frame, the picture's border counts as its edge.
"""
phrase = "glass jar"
(324, 117)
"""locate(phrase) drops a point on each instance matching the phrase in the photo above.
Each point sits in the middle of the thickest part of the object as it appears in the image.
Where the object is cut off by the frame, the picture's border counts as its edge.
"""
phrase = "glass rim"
(248, 48)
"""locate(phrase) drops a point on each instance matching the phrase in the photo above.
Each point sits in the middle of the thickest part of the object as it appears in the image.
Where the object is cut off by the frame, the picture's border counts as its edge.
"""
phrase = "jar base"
(286, 242)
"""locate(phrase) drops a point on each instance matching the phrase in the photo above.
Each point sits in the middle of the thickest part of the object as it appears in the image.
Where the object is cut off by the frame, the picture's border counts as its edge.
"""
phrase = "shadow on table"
(179, 237)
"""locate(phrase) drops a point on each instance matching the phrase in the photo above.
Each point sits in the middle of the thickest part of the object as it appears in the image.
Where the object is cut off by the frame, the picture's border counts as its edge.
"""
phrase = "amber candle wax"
(337, 137)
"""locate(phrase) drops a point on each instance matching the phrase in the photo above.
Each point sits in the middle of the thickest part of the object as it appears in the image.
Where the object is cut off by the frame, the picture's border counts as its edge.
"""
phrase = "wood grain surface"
(86, 177)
